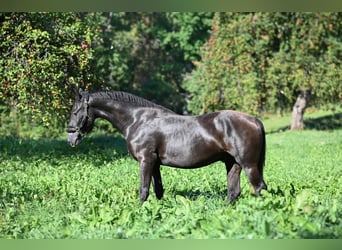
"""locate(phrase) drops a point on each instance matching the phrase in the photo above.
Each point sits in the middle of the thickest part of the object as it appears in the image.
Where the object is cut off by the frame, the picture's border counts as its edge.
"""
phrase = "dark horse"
(157, 136)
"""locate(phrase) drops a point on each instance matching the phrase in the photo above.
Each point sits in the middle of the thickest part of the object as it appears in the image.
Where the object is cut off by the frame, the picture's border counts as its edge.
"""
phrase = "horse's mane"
(125, 98)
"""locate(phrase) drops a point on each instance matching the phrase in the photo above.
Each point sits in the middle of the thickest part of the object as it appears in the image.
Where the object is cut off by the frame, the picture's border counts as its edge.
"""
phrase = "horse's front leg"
(146, 163)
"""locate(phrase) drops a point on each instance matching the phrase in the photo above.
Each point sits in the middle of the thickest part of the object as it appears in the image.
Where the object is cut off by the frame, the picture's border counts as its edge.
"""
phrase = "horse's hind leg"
(255, 177)
(233, 179)
(157, 182)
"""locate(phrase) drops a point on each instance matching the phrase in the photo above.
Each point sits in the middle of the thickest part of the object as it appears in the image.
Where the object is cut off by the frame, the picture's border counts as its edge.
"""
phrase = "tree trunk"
(299, 109)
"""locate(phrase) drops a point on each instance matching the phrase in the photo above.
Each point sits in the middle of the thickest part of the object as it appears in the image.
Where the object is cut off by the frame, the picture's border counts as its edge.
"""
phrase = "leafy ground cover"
(50, 190)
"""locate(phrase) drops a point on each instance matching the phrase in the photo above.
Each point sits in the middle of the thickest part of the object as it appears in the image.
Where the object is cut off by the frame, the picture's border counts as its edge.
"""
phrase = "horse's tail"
(262, 156)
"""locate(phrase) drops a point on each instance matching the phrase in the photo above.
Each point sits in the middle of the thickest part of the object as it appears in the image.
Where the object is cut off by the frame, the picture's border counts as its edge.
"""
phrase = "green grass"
(50, 190)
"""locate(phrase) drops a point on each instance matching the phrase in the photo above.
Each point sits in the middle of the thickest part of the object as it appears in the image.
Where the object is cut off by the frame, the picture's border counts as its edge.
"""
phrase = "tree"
(43, 56)
(308, 62)
(149, 53)
(264, 61)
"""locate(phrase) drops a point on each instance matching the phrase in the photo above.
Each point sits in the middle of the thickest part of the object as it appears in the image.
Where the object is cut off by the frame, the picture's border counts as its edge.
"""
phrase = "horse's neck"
(118, 114)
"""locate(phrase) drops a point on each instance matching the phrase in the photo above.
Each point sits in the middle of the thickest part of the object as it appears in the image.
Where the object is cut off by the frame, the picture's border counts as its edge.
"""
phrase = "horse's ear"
(83, 94)
(78, 94)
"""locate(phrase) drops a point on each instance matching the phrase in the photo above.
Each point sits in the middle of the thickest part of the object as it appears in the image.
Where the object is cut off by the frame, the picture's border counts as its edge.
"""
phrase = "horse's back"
(229, 123)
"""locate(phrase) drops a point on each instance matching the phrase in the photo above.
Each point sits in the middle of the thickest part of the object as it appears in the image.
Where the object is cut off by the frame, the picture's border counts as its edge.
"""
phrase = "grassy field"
(50, 190)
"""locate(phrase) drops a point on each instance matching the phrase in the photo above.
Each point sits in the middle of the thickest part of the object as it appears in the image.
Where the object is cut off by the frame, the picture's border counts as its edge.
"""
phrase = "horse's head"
(81, 121)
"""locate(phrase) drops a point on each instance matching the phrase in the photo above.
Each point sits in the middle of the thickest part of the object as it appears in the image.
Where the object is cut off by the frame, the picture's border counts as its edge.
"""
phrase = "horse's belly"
(188, 158)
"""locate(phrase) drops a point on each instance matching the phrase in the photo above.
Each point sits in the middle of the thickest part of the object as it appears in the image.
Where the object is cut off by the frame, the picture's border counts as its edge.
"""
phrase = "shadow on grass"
(324, 123)
(195, 194)
(306, 234)
(25, 149)
(328, 122)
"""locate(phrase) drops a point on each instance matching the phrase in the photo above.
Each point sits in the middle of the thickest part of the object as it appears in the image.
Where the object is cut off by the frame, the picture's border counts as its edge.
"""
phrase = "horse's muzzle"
(74, 139)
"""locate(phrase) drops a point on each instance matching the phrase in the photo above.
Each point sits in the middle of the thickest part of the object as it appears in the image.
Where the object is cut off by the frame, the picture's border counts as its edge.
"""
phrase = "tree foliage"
(43, 55)
(148, 53)
(262, 61)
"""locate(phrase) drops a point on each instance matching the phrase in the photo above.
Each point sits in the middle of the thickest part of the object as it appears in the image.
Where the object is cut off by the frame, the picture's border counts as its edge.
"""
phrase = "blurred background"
(273, 65)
